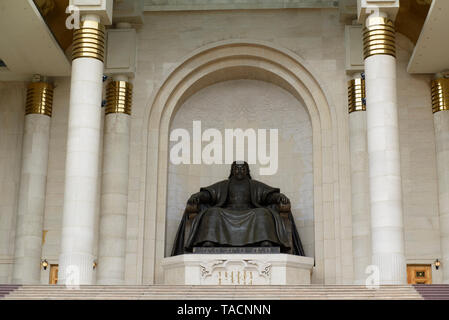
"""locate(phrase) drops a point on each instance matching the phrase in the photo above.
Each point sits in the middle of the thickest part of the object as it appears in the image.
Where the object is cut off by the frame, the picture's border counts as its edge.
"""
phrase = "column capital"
(102, 8)
(442, 74)
(388, 8)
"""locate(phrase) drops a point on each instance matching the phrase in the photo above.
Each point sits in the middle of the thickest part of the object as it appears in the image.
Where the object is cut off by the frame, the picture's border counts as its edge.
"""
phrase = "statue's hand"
(283, 199)
(194, 200)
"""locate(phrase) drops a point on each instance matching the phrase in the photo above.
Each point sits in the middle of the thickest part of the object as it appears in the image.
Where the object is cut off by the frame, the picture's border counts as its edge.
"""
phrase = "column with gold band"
(114, 186)
(379, 37)
(33, 180)
(119, 97)
(361, 235)
(88, 41)
(387, 231)
(81, 194)
(440, 107)
(356, 95)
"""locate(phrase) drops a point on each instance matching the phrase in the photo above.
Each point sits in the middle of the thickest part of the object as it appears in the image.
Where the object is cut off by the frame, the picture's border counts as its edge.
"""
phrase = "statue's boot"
(208, 244)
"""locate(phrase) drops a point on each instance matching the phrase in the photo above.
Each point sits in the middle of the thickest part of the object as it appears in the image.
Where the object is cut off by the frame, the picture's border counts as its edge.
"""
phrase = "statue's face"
(239, 171)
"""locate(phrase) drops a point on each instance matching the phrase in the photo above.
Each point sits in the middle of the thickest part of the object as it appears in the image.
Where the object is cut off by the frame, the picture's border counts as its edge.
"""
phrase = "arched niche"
(228, 60)
(259, 106)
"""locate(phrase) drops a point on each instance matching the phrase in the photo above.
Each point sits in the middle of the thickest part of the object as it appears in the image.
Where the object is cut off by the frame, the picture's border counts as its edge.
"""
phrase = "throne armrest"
(192, 210)
(284, 209)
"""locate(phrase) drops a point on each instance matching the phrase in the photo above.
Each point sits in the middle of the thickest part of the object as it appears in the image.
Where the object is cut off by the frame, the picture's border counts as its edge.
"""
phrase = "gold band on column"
(356, 95)
(379, 37)
(39, 98)
(88, 41)
(119, 97)
(440, 94)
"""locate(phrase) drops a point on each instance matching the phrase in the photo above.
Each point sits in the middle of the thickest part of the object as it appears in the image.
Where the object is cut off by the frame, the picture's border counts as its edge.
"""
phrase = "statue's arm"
(277, 198)
(199, 197)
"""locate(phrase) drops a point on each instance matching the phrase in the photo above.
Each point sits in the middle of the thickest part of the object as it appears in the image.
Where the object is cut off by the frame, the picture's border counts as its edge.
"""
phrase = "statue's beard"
(240, 176)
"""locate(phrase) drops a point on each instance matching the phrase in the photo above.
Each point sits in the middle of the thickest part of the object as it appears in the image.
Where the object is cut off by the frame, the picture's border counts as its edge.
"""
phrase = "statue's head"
(240, 170)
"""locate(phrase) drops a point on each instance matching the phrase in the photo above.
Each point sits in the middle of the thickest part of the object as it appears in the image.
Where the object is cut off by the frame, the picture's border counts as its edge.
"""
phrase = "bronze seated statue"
(238, 212)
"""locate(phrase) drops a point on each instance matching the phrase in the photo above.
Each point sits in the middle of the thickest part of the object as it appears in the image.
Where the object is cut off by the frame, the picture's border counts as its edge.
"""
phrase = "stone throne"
(237, 231)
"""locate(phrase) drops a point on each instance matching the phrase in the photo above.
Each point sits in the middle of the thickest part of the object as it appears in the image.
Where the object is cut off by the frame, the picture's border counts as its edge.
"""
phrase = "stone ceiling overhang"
(188, 5)
(431, 54)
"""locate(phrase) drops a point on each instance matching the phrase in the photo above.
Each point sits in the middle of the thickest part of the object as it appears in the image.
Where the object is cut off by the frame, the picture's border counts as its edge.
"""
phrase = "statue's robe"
(231, 227)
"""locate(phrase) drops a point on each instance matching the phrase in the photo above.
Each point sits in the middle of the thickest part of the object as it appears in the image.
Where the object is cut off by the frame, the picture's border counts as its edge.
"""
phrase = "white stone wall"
(12, 116)
(163, 41)
(418, 162)
(315, 35)
(247, 104)
(441, 124)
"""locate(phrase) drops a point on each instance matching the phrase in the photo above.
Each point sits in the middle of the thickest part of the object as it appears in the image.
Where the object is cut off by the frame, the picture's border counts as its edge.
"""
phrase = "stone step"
(327, 286)
(433, 292)
(221, 293)
(207, 288)
(251, 296)
(210, 295)
(219, 290)
(6, 289)
(219, 298)
(177, 297)
(169, 297)
(218, 295)
(162, 292)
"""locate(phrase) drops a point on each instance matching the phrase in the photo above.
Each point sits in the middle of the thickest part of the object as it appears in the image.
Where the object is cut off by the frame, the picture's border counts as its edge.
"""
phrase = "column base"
(111, 271)
(75, 269)
(392, 268)
(27, 270)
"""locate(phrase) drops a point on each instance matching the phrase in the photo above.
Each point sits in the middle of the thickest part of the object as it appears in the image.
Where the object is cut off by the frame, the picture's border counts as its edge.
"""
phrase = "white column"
(83, 147)
(114, 188)
(383, 149)
(440, 101)
(36, 136)
(360, 205)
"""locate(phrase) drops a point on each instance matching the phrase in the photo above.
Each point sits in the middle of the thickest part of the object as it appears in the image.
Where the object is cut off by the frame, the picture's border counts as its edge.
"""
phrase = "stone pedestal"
(237, 269)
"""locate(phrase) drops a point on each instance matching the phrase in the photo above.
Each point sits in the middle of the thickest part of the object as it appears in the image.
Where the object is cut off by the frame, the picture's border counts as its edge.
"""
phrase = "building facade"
(358, 91)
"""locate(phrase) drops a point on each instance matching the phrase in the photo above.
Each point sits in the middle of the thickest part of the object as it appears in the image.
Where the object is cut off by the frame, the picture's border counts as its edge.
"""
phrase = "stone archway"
(228, 60)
